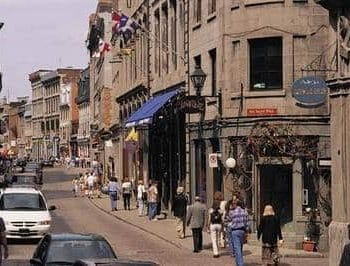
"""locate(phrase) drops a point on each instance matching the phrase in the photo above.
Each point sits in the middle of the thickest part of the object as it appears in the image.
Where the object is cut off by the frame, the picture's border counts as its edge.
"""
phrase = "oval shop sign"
(310, 91)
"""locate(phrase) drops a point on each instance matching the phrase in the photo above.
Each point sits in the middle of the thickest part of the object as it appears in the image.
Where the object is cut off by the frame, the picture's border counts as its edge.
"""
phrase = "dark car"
(48, 162)
(24, 180)
(113, 262)
(35, 168)
(65, 249)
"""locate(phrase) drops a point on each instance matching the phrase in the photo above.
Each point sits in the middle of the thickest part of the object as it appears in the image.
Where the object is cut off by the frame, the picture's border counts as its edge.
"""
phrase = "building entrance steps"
(165, 230)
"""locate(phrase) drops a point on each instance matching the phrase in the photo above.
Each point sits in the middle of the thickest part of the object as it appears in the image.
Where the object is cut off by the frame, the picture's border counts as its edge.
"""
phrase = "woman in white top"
(140, 197)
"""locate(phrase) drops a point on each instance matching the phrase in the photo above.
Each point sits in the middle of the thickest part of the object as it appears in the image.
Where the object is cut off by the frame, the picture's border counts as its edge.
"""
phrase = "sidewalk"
(165, 230)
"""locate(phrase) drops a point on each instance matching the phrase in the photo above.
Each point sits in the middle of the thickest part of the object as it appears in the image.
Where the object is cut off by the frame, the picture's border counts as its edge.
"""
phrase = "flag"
(129, 29)
(103, 47)
(132, 136)
(116, 16)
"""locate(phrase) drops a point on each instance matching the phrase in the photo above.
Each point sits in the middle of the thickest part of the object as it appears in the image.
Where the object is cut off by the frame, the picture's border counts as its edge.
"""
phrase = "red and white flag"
(103, 46)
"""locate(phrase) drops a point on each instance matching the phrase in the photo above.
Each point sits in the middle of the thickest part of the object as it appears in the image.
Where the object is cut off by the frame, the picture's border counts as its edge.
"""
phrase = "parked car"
(25, 213)
(65, 249)
(25, 180)
(35, 168)
(113, 262)
(48, 162)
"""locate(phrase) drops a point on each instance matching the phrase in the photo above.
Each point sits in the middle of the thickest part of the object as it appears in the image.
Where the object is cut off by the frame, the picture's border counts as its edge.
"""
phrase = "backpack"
(216, 217)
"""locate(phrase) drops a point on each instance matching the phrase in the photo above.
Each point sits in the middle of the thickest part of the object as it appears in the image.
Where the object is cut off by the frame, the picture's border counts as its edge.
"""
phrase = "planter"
(309, 245)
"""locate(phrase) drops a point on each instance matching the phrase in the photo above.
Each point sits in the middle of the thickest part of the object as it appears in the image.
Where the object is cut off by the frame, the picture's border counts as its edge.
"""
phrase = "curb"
(137, 226)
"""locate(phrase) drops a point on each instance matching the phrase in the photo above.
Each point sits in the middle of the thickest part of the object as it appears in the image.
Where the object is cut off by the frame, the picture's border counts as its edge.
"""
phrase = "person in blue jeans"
(238, 218)
(113, 190)
(152, 201)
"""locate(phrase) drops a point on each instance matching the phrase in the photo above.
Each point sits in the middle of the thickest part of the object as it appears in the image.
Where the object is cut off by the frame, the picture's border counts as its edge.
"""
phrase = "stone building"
(338, 79)
(83, 103)
(28, 128)
(101, 102)
(253, 110)
(69, 114)
(38, 122)
(51, 88)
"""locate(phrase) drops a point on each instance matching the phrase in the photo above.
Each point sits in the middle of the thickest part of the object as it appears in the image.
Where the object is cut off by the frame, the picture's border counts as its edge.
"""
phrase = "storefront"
(159, 153)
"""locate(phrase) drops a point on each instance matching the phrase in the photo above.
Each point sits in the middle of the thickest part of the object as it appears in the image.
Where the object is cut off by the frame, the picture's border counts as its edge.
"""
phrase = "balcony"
(332, 4)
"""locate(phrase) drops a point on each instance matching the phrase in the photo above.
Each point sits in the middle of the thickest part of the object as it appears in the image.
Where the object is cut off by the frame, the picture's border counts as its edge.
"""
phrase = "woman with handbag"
(270, 230)
(113, 190)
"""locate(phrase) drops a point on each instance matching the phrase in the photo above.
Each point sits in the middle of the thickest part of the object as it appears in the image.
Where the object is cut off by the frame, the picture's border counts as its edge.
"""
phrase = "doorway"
(276, 189)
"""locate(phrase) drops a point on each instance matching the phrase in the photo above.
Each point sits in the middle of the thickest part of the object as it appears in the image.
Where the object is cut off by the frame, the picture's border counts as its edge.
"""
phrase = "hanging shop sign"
(261, 111)
(310, 91)
(192, 104)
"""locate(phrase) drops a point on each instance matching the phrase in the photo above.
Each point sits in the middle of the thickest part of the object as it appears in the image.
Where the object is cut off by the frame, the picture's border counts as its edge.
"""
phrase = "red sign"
(261, 111)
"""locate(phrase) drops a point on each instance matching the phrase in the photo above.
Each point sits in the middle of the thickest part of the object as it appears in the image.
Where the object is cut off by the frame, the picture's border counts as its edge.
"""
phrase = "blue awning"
(144, 114)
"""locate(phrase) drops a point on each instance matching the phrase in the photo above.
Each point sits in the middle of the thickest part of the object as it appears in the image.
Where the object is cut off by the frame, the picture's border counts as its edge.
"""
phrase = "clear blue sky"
(41, 34)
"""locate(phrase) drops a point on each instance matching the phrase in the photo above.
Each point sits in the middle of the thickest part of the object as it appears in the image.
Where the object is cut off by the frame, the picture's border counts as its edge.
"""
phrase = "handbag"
(144, 196)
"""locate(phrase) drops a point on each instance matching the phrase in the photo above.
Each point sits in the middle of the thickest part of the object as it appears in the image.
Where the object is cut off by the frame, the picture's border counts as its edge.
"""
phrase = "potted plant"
(312, 230)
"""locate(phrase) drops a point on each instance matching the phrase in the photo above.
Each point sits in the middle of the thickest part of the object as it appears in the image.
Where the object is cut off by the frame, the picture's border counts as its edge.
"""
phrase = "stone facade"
(38, 123)
(338, 76)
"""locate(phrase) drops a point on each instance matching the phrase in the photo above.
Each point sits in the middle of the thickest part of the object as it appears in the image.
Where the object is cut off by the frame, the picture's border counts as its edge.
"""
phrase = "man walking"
(3, 241)
(126, 187)
(179, 209)
(196, 216)
(238, 218)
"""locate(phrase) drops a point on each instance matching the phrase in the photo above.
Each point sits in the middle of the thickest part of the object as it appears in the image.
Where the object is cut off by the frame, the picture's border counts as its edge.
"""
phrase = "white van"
(25, 213)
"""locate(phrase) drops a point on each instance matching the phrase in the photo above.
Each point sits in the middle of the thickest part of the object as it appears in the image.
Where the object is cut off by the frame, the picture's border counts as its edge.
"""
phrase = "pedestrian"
(179, 207)
(152, 198)
(345, 257)
(269, 230)
(226, 226)
(238, 218)
(81, 185)
(3, 240)
(141, 192)
(196, 219)
(215, 220)
(75, 186)
(113, 191)
(126, 188)
(91, 184)
(219, 199)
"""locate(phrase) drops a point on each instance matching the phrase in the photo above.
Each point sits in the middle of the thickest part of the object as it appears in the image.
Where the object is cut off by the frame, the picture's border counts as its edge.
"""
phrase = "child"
(75, 184)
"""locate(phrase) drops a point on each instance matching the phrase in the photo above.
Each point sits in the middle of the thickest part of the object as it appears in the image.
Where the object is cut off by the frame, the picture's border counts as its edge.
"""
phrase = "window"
(266, 63)
(212, 55)
(198, 60)
(198, 11)
(211, 6)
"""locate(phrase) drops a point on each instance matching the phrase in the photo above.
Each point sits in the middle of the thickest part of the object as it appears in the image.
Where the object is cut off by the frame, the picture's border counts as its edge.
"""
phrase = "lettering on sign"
(310, 91)
(191, 104)
(261, 111)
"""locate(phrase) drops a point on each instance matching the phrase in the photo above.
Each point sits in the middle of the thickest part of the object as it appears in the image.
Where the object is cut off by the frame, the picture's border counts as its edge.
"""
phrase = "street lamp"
(198, 78)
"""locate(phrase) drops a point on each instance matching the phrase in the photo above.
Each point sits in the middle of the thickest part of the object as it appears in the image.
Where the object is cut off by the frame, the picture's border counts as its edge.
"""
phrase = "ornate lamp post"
(198, 78)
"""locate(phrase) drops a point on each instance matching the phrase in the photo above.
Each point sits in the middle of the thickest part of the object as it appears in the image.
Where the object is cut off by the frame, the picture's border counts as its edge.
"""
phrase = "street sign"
(213, 160)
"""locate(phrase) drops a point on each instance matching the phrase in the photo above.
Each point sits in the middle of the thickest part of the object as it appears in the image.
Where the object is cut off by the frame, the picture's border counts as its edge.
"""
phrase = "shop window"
(266, 63)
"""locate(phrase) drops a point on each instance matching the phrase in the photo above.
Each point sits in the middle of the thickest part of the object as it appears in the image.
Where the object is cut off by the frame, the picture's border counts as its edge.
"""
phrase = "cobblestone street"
(131, 236)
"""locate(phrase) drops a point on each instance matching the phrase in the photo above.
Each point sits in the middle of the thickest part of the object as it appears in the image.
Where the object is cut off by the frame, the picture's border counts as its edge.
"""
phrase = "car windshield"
(71, 251)
(20, 201)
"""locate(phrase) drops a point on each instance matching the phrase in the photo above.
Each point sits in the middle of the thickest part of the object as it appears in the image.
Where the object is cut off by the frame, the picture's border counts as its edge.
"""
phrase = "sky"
(41, 34)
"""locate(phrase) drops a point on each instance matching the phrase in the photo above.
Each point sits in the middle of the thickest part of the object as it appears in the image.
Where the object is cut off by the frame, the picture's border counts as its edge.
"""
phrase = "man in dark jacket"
(196, 219)
(179, 209)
